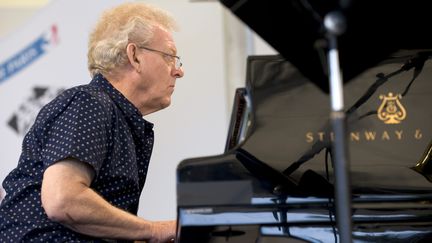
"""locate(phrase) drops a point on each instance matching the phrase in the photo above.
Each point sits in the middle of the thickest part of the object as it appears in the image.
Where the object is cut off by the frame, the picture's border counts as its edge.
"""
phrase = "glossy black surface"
(374, 30)
(275, 181)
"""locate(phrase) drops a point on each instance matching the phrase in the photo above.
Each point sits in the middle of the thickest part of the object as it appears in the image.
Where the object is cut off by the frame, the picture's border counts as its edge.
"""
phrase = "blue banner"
(22, 59)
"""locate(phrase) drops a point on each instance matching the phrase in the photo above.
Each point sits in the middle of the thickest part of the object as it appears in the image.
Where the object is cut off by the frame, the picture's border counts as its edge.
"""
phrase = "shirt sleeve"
(77, 127)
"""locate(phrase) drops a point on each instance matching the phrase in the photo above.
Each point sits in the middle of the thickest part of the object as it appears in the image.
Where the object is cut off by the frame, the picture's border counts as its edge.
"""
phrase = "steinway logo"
(391, 110)
(368, 136)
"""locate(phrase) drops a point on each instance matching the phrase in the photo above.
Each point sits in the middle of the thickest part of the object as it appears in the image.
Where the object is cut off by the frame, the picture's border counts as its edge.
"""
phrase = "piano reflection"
(275, 181)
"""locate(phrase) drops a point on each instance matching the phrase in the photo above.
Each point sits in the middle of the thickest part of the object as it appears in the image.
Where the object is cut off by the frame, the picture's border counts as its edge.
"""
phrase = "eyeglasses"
(177, 61)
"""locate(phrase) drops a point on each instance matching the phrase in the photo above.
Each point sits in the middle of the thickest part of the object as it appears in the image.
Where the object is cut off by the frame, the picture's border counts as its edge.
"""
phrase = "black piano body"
(274, 183)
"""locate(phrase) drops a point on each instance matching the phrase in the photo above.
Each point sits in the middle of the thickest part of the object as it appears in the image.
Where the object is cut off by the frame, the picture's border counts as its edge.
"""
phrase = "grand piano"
(276, 180)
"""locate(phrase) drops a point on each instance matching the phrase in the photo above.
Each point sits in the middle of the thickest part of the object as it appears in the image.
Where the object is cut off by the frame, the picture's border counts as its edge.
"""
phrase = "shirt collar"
(121, 101)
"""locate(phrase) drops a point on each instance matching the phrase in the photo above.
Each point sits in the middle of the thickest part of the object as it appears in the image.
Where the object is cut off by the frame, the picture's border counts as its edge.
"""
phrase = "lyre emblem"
(391, 110)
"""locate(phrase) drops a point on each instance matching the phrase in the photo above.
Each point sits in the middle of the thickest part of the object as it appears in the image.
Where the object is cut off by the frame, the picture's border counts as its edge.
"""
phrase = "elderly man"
(85, 159)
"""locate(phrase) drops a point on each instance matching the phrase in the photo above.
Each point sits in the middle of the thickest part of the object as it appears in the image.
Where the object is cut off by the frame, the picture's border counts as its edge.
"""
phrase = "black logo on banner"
(24, 117)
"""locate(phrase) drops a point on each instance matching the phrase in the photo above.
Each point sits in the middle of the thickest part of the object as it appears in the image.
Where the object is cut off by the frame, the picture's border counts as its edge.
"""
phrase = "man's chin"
(166, 103)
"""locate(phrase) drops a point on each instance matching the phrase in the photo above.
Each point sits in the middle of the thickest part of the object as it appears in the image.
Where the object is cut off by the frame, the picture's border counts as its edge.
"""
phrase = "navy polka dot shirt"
(95, 124)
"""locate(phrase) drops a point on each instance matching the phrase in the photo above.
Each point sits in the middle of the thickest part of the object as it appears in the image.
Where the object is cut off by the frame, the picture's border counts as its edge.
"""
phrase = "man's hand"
(163, 231)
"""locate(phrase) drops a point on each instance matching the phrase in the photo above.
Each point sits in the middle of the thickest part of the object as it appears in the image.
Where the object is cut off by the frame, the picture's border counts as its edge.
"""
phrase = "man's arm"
(68, 199)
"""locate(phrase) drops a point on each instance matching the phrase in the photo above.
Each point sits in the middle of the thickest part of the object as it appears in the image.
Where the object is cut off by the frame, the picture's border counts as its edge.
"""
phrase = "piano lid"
(375, 29)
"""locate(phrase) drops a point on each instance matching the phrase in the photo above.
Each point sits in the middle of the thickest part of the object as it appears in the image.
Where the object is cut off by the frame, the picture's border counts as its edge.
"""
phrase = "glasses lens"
(178, 63)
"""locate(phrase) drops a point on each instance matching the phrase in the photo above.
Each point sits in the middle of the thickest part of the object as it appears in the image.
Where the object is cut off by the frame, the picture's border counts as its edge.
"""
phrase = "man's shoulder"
(81, 97)
(86, 91)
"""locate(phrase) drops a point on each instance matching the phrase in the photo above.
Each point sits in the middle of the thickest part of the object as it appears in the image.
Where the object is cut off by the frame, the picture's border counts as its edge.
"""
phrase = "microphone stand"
(334, 23)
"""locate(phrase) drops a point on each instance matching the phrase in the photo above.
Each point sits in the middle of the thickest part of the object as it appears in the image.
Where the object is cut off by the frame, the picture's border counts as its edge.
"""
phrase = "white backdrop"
(48, 54)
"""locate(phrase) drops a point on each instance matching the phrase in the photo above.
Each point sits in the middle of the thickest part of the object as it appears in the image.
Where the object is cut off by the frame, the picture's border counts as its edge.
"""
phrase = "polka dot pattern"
(95, 124)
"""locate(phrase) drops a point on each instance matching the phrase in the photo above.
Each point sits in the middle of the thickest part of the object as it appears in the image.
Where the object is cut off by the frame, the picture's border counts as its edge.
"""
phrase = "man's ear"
(131, 51)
